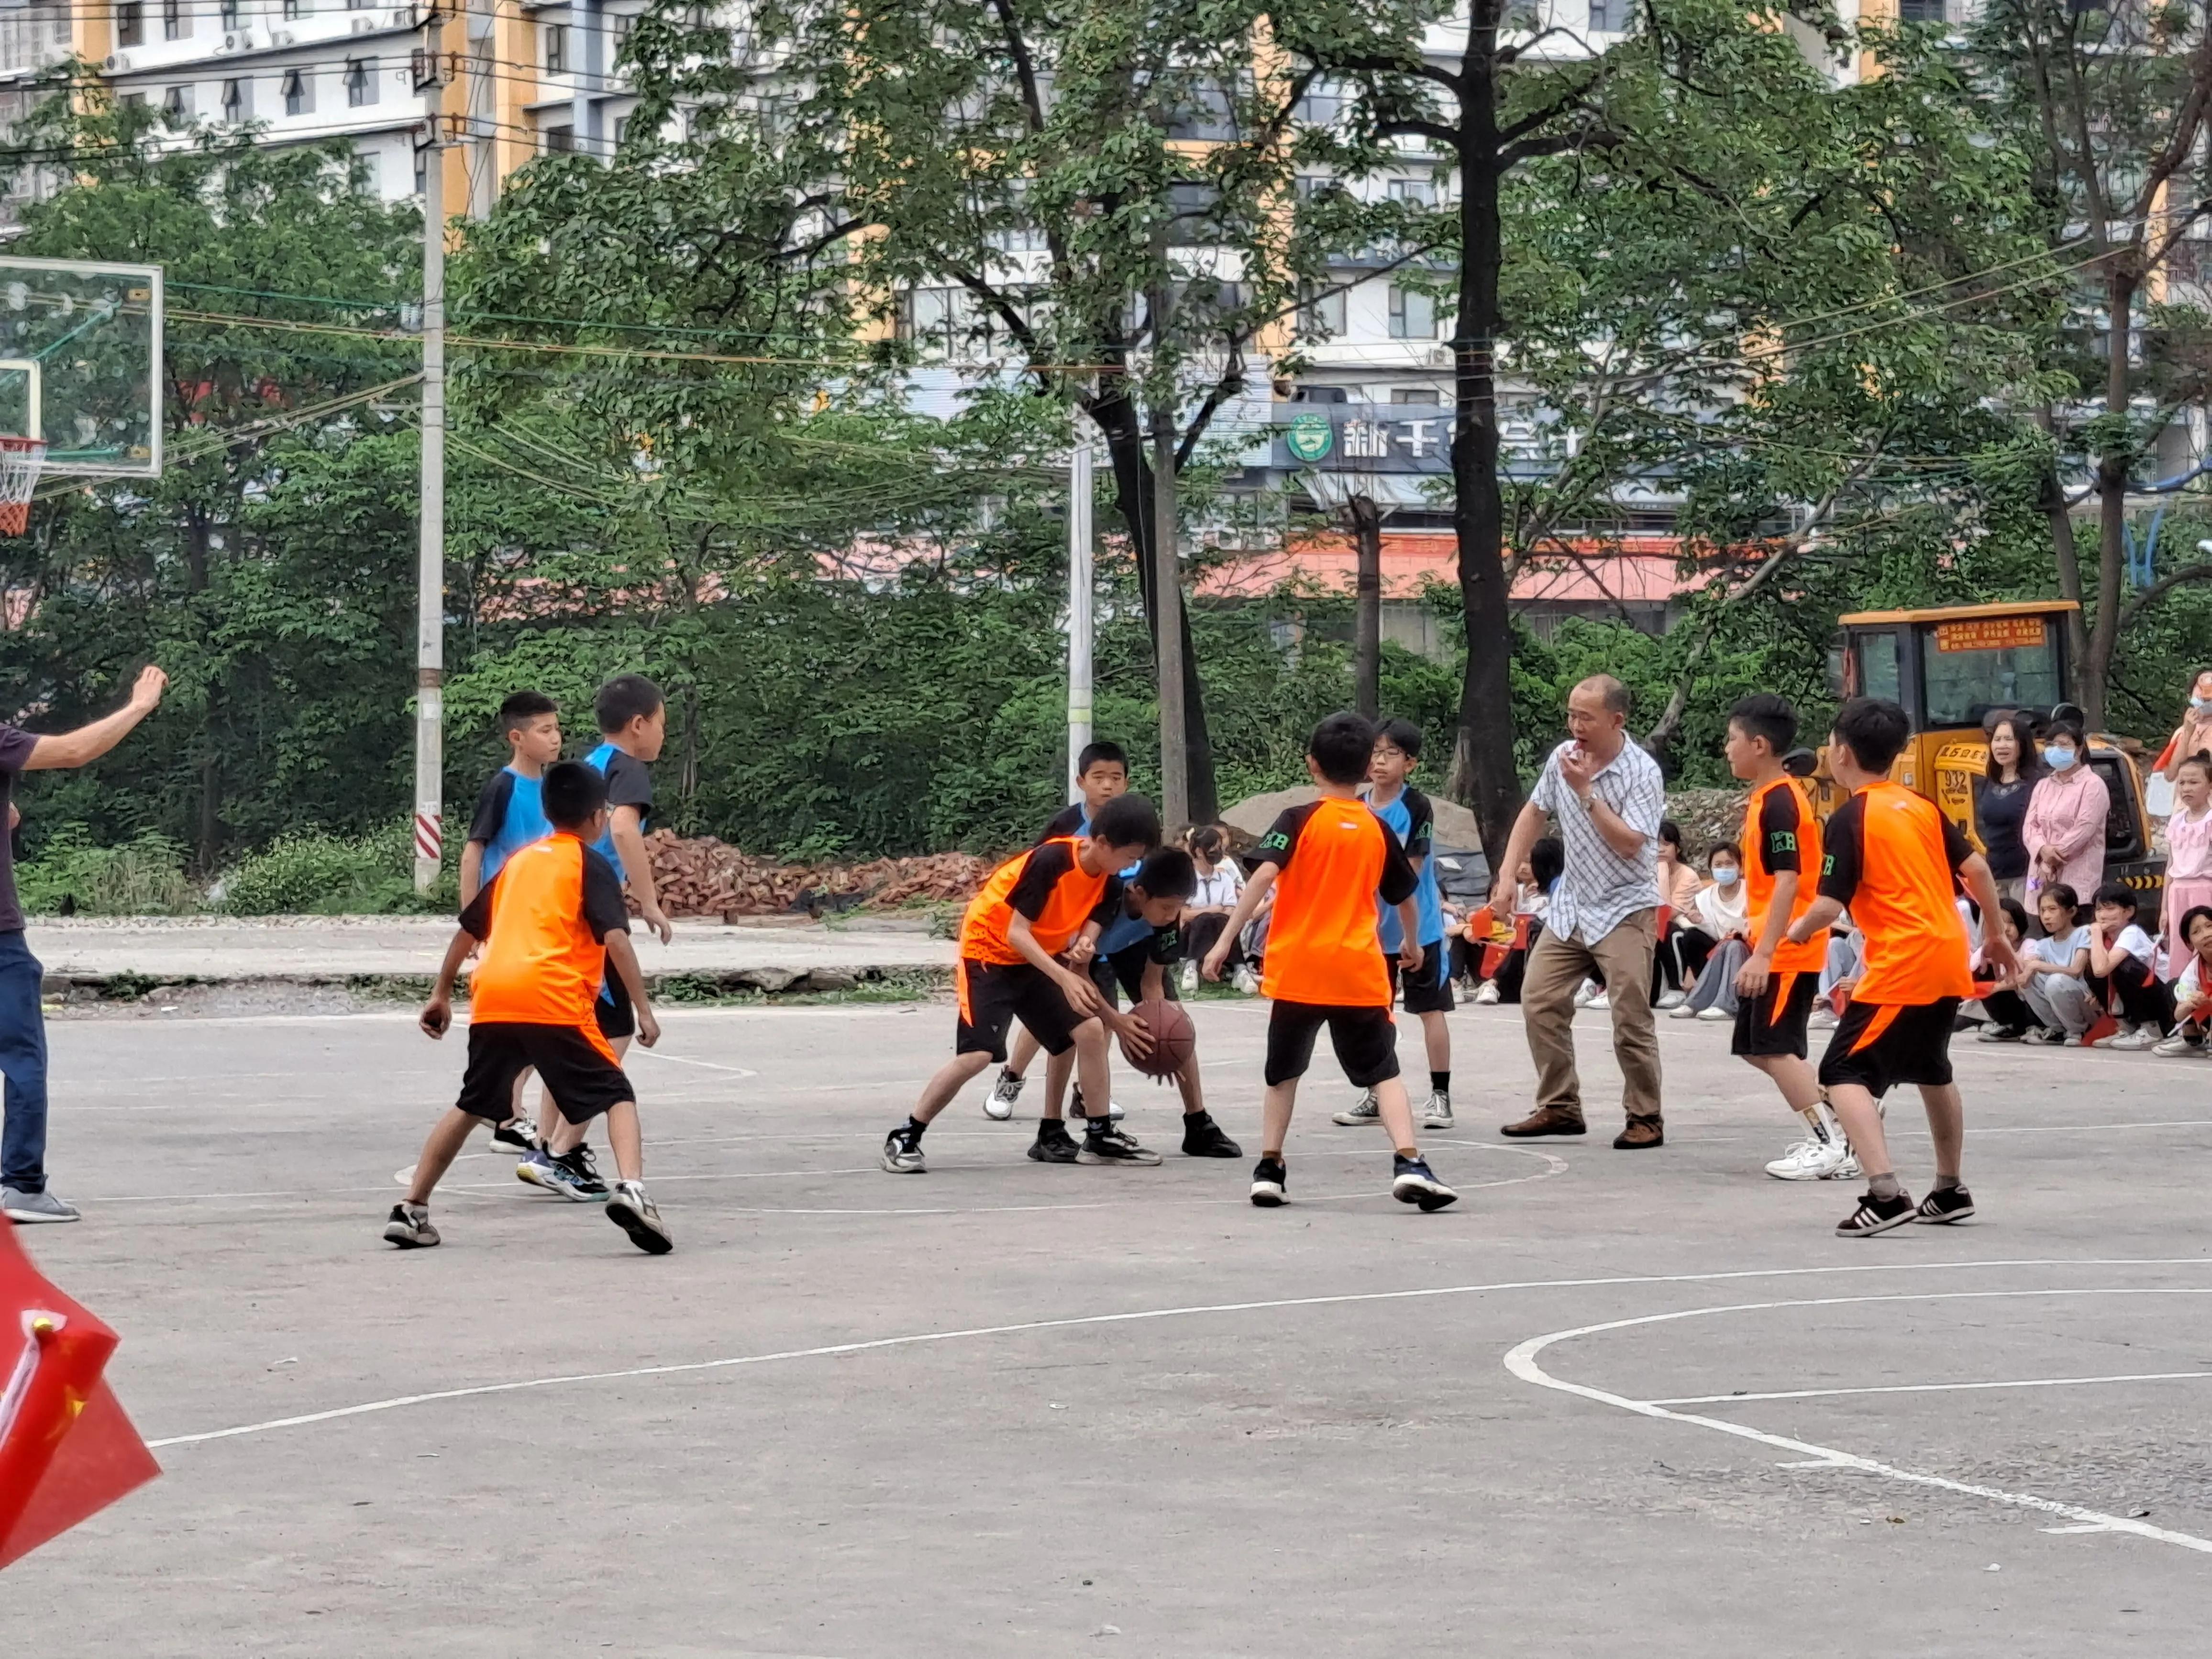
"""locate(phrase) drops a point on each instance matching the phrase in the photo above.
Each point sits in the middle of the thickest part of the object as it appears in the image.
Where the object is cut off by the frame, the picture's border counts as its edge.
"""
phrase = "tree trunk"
(1367, 620)
(2113, 468)
(1117, 420)
(2051, 501)
(1169, 636)
(1483, 774)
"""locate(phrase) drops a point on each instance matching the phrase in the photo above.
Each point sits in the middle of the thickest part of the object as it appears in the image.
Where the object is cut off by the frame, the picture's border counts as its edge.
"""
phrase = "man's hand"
(146, 695)
(1578, 770)
(1081, 952)
(1751, 979)
(1216, 960)
(657, 921)
(648, 1028)
(1409, 954)
(437, 1017)
(1136, 1036)
(1997, 953)
(1082, 995)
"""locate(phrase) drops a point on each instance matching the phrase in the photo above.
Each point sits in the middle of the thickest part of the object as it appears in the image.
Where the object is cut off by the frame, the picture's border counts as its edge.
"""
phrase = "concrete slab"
(1613, 1403)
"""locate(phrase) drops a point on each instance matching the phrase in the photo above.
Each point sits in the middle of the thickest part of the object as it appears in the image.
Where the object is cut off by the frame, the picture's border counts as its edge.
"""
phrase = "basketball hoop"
(19, 461)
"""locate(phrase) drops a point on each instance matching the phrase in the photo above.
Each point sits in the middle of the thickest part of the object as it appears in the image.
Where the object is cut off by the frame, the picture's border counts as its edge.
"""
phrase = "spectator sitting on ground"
(2120, 977)
(1220, 883)
(1532, 898)
(1722, 911)
(2010, 1017)
(1684, 946)
(2193, 990)
(2054, 978)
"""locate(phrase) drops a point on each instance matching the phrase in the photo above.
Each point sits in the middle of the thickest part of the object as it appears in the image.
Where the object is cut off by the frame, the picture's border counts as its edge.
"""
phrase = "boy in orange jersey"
(552, 924)
(1891, 857)
(1325, 864)
(1775, 988)
(1031, 911)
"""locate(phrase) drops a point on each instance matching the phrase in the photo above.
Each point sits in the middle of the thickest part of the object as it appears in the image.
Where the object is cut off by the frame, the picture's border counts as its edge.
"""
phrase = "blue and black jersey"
(629, 783)
(510, 815)
(1412, 820)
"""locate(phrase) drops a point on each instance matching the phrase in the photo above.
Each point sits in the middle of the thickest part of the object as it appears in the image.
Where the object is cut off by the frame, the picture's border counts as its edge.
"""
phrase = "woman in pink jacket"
(2064, 831)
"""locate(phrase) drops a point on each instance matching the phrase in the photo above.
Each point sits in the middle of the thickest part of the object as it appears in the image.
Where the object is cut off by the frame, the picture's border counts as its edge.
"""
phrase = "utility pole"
(1079, 582)
(430, 575)
(1167, 585)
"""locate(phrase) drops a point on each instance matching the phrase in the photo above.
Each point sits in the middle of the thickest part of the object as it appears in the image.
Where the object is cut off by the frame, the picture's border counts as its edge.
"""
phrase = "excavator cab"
(1951, 669)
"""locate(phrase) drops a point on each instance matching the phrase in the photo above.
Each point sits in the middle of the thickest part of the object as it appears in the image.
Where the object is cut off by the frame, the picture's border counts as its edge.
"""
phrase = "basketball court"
(1611, 1401)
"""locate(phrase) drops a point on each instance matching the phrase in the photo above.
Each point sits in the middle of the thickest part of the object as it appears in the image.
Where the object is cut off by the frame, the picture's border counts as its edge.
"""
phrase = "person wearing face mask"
(2064, 830)
(2001, 803)
(1723, 913)
(2194, 735)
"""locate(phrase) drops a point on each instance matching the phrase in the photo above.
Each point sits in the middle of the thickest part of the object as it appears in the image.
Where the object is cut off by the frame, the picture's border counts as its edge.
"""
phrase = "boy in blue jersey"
(633, 720)
(1427, 989)
(1134, 938)
(510, 815)
(1102, 772)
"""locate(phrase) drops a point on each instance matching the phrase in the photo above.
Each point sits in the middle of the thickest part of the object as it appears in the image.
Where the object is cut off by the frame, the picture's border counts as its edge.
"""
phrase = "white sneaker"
(1362, 1110)
(1822, 1018)
(2179, 1047)
(1714, 1013)
(1189, 978)
(29, 1209)
(2131, 1039)
(1246, 982)
(1437, 1113)
(1586, 993)
(1672, 999)
(998, 1104)
(1600, 1000)
(1810, 1159)
(1684, 1011)
(1848, 1170)
(1486, 997)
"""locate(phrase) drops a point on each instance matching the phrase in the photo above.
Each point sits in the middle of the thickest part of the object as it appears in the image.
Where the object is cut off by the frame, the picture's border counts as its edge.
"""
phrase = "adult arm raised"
(65, 751)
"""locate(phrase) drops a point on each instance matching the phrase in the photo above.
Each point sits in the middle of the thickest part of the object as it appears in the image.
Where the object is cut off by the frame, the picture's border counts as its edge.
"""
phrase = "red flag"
(66, 1448)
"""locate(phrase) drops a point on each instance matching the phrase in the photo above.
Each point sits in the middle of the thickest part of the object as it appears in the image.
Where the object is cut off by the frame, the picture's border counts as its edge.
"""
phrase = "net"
(19, 461)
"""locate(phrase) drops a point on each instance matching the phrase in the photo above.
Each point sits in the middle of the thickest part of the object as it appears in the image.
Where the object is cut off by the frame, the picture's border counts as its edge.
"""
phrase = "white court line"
(922, 1338)
(685, 1060)
(1934, 1388)
(1521, 1361)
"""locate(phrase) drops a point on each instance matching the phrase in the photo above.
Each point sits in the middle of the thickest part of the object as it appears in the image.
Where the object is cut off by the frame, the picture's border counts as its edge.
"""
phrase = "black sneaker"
(2004, 1033)
(902, 1153)
(1053, 1144)
(516, 1132)
(1271, 1184)
(578, 1160)
(1878, 1215)
(1103, 1144)
(1946, 1204)
(1202, 1138)
(1413, 1182)
(410, 1227)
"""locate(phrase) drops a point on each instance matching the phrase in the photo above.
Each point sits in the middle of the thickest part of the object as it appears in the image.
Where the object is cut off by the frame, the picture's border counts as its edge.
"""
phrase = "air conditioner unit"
(403, 17)
(364, 25)
(281, 37)
(117, 63)
(238, 40)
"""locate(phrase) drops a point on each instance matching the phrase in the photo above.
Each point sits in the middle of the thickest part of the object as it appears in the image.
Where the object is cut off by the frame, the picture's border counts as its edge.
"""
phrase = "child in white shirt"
(2192, 990)
(2121, 976)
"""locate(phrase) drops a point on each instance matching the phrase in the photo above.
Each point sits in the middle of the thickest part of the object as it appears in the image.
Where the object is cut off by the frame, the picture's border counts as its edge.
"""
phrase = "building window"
(173, 27)
(1321, 315)
(621, 130)
(557, 48)
(361, 80)
(292, 9)
(357, 5)
(1415, 394)
(560, 141)
(229, 13)
(237, 100)
(1412, 314)
(1420, 192)
(177, 103)
(1920, 11)
(421, 170)
(1600, 13)
(299, 94)
(130, 23)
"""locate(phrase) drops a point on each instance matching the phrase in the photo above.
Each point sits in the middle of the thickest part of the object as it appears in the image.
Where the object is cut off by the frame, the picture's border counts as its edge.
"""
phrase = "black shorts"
(1428, 989)
(1365, 1041)
(1774, 1023)
(994, 995)
(1122, 974)
(579, 1079)
(1876, 1045)
(616, 1017)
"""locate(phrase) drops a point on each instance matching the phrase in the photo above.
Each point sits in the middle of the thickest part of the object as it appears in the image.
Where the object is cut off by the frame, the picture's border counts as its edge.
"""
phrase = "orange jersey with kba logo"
(1331, 858)
(1050, 886)
(543, 921)
(1892, 859)
(1780, 833)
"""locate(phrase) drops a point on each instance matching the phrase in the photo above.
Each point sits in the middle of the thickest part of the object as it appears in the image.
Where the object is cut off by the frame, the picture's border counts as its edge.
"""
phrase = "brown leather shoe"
(1639, 1134)
(1547, 1120)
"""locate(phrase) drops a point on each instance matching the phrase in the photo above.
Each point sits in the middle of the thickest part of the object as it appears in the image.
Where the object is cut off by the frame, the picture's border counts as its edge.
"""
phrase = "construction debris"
(702, 876)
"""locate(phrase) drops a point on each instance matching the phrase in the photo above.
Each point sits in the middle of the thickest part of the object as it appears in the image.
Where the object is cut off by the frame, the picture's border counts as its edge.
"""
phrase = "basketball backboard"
(80, 363)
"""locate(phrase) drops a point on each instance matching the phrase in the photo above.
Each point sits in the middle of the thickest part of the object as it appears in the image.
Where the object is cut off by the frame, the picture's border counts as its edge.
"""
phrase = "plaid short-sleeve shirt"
(1600, 890)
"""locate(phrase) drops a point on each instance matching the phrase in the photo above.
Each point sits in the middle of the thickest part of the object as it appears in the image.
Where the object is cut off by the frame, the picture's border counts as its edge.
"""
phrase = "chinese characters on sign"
(1364, 438)
(1989, 633)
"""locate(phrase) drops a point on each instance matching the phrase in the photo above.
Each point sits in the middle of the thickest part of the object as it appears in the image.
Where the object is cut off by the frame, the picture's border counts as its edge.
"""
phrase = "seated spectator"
(2121, 976)
(2010, 1018)
(2192, 990)
(1722, 911)
(1684, 946)
(1532, 898)
(2054, 976)
(1220, 883)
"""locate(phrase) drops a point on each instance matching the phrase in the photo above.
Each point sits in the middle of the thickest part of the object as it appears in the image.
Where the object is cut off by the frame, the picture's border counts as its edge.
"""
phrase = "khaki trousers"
(1557, 967)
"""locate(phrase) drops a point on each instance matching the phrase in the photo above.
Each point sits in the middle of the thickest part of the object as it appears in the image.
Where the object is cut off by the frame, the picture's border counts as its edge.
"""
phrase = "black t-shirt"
(2000, 811)
(1073, 819)
(604, 910)
(629, 783)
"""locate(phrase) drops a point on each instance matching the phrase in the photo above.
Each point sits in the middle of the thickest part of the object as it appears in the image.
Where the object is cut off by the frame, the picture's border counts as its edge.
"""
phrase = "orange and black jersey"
(1893, 858)
(1781, 834)
(1047, 885)
(543, 921)
(1332, 858)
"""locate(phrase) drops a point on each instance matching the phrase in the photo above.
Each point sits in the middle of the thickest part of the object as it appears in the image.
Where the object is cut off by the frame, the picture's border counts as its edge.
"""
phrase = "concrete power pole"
(430, 575)
(1079, 582)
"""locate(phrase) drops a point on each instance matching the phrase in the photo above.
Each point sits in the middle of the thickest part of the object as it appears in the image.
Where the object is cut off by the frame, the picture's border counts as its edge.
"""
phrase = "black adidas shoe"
(1271, 1184)
(1946, 1204)
(1202, 1138)
(1878, 1215)
(1102, 1144)
(1053, 1144)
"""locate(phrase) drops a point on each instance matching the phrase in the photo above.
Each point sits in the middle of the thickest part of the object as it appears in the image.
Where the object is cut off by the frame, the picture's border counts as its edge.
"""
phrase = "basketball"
(1173, 1038)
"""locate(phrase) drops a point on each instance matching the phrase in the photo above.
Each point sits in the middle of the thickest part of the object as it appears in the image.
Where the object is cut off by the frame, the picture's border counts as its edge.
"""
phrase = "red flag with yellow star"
(67, 1451)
